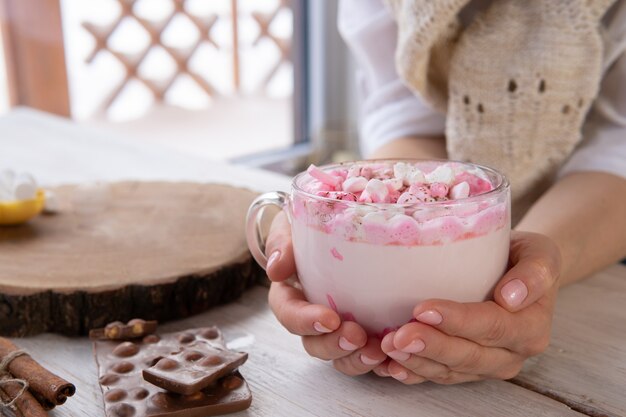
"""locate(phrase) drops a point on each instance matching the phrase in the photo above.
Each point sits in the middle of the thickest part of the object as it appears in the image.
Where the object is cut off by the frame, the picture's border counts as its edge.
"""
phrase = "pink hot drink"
(373, 239)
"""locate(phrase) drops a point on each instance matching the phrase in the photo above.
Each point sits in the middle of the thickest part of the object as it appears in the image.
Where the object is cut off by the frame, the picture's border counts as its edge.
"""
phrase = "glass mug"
(374, 262)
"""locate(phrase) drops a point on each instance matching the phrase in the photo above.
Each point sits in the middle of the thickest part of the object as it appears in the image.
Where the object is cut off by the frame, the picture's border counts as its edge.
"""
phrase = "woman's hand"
(324, 335)
(458, 342)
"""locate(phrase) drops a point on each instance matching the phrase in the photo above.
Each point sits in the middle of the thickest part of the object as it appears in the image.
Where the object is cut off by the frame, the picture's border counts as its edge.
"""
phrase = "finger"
(381, 370)
(485, 323)
(348, 338)
(407, 376)
(433, 354)
(279, 250)
(299, 316)
(363, 360)
(536, 268)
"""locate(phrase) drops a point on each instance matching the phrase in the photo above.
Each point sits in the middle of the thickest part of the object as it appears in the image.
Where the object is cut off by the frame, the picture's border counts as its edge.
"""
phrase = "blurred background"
(265, 83)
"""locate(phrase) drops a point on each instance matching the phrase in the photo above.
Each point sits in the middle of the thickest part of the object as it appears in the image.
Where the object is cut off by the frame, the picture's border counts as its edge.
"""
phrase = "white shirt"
(390, 110)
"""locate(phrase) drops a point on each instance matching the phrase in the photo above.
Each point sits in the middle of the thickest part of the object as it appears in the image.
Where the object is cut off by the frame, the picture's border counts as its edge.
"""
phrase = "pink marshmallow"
(354, 184)
(407, 198)
(323, 177)
(438, 189)
(461, 190)
(375, 192)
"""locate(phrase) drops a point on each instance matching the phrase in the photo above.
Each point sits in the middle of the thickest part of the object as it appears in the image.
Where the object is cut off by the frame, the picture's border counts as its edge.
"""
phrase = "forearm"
(585, 214)
(412, 148)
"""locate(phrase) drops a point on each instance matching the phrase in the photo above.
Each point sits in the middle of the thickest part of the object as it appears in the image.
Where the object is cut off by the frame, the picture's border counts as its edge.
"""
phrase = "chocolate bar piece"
(126, 393)
(117, 330)
(197, 364)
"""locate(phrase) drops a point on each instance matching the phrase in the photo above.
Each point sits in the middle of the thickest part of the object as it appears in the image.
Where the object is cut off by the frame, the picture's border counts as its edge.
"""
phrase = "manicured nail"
(369, 361)
(399, 356)
(431, 317)
(514, 293)
(273, 258)
(415, 346)
(400, 376)
(321, 328)
(345, 344)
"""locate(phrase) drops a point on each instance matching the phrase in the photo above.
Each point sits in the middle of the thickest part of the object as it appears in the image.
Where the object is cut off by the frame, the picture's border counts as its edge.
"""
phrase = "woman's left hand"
(459, 342)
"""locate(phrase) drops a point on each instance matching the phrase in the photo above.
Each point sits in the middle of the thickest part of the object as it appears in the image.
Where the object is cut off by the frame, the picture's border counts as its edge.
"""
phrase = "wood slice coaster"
(153, 250)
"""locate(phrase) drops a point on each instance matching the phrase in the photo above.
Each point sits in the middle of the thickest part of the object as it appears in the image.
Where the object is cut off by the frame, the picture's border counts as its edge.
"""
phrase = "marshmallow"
(337, 195)
(400, 170)
(51, 203)
(442, 174)
(414, 176)
(420, 191)
(407, 198)
(366, 172)
(375, 192)
(354, 184)
(438, 190)
(461, 190)
(24, 187)
(393, 184)
(323, 177)
(354, 171)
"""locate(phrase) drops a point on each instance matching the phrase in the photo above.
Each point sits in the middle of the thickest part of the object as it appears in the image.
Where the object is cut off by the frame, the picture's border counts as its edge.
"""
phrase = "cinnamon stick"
(26, 405)
(7, 398)
(49, 388)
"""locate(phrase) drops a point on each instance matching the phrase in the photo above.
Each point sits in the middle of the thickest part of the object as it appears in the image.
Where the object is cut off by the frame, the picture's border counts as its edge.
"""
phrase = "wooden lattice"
(182, 56)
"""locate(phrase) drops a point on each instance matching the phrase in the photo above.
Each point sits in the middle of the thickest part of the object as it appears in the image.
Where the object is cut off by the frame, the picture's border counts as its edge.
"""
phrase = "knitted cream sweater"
(516, 84)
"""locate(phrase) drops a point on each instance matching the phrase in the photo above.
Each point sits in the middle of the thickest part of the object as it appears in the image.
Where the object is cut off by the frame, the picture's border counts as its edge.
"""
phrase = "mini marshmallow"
(375, 192)
(354, 184)
(337, 195)
(51, 203)
(438, 190)
(420, 191)
(366, 172)
(393, 184)
(400, 170)
(461, 190)
(442, 174)
(354, 171)
(414, 176)
(407, 198)
(323, 177)
(24, 187)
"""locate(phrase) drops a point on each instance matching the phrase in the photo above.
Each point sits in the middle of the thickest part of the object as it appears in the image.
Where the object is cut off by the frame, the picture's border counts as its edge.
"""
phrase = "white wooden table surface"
(584, 368)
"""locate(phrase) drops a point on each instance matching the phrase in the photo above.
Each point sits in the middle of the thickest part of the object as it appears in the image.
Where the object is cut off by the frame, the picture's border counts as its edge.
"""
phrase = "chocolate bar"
(126, 393)
(198, 363)
(117, 330)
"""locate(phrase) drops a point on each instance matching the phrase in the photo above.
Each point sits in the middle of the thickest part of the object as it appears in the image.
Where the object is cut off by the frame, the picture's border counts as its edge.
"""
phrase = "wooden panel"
(585, 365)
(34, 54)
(285, 382)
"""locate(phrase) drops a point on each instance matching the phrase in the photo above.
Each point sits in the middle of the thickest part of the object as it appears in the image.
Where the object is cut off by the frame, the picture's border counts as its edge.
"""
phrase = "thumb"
(536, 265)
(279, 250)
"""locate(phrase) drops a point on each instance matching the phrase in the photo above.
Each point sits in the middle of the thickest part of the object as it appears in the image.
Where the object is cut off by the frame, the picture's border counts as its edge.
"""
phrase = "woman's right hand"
(324, 335)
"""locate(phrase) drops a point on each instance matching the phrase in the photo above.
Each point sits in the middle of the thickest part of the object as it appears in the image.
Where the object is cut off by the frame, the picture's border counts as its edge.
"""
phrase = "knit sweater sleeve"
(389, 110)
(604, 135)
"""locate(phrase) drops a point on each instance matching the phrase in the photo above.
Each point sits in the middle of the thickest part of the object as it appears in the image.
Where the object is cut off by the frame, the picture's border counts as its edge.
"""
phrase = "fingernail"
(431, 317)
(345, 344)
(321, 328)
(384, 371)
(415, 346)
(399, 356)
(400, 376)
(273, 258)
(369, 361)
(514, 293)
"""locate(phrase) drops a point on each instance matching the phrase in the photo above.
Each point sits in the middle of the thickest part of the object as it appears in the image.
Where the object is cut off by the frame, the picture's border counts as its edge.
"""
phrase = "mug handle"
(256, 243)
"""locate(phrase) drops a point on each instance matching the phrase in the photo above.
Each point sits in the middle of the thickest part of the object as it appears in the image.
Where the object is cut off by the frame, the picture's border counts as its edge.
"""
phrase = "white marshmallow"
(400, 169)
(414, 176)
(461, 190)
(442, 173)
(393, 184)
(24, 187)
(374, 218)
(354, 171)
(375, 191)
(354, 184)
(51, 203)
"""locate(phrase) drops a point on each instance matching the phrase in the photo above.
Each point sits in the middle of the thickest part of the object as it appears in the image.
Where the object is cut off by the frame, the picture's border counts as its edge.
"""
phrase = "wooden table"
(584, 368)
